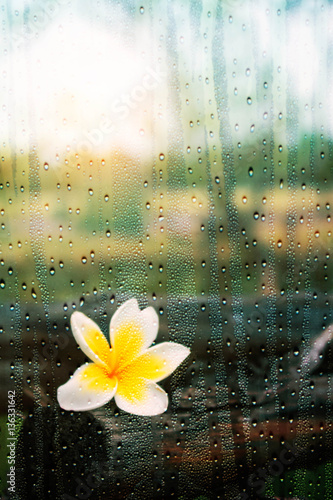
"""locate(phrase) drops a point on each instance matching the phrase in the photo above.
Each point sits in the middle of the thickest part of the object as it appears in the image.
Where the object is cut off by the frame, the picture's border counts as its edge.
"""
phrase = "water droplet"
(256, 216)
(142, 10)
(46, 166)
(244, 199)
(52, 271)
(279, 243)
(2, 284)
(250, 171)
(84, 260)
(247, 72)
(217, 180)
(147, 205)
(252, 128)
(161, 156)
(249, 100)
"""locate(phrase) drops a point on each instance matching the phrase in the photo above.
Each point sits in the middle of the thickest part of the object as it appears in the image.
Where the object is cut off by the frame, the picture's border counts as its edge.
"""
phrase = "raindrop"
(279, 244)
(46, 166)
(249, 100)
(161, 156)
(252, 129)
(247, 72)
(84, 260)
(250, 172)
(2, 283)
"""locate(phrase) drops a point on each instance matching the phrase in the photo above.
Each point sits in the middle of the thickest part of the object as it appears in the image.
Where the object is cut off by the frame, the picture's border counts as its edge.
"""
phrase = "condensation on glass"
(179, 154)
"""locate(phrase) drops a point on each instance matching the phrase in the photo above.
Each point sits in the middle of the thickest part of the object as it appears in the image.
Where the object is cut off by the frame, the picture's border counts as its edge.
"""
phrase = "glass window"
(166, 174)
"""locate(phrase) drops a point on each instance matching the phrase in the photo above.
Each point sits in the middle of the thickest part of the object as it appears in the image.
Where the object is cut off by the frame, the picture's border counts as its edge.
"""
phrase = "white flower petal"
(90, 338)
(156, 363)
(132, 331)
(145, 398)
(90, 387)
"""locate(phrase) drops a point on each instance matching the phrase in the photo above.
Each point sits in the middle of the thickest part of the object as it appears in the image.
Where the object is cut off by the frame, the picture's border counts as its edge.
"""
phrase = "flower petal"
(141, 397)
(90, 338)
(132, 331)
(90, 387)
(157, 363)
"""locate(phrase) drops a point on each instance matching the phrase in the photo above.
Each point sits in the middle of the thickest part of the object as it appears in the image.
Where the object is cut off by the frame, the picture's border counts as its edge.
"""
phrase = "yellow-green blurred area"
(76, 223)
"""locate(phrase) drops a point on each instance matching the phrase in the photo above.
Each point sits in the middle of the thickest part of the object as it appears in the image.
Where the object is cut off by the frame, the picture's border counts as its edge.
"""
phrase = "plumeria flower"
(128, 371)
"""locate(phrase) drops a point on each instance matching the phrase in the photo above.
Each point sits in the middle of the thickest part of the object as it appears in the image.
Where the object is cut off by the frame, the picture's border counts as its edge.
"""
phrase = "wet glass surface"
(179, 154)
